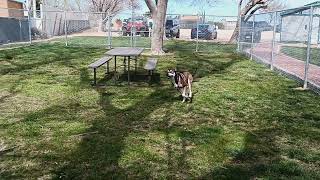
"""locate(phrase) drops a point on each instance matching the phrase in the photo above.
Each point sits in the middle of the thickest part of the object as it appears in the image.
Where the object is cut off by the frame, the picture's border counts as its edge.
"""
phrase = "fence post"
(306, 70)
(29, 26)
(273, 39)
(239, 34)
(109, 32)
(65, 28)
(197, 42)
(131, 29)
(252, 35)
(239, 26)
(20, 31)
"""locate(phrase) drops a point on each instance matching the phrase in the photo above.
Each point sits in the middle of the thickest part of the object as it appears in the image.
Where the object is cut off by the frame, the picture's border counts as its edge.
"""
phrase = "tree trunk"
(235, 34)
(158, 28)
(157, 36)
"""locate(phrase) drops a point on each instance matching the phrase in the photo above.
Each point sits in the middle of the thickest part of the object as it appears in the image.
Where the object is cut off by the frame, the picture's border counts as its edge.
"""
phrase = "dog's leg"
(190, 89)
(174, 83)
(184, 94)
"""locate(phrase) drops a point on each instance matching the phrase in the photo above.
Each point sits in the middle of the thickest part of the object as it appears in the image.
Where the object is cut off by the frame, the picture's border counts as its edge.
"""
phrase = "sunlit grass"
(300, 53)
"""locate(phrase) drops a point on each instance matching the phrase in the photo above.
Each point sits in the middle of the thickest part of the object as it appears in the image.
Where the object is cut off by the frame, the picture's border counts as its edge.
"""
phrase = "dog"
(182, 81)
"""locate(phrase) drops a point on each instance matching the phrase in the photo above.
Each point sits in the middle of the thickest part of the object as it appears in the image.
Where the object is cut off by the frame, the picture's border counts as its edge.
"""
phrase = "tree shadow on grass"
(102, 145)
(261, 158)
(276, 144)
(98, 154)
(23, 59)
(202, 64)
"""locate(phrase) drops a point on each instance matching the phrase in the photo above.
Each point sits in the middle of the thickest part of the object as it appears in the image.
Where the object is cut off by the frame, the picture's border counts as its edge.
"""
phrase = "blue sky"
(224, 8)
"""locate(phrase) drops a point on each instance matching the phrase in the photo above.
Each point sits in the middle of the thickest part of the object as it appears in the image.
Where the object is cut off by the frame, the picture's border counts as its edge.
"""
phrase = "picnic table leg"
(135, 64)
(94, 77)
(108, 67)
(115, 63)
(124, 64)
(128, 70)
(149, 76)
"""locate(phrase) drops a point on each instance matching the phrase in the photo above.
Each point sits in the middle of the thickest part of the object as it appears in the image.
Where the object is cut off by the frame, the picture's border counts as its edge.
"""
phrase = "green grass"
(301, 53)
(245, 121)
(97, 41)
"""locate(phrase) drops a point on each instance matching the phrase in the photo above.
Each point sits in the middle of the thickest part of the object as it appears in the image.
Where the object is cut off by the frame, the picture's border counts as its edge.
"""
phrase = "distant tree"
(274, 5)
(110, 7)
(251, 7)
(248, 10)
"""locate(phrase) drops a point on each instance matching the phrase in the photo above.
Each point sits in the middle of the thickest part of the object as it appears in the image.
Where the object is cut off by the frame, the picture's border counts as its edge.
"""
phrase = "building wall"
(295, 29)
(8, 9)
(15, 9)
(3, 8)
(230, 25)
(51, 22)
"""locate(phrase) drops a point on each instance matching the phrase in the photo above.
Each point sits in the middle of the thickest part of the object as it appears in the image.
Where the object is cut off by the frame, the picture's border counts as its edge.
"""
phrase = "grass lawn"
(301, 53)
(103, 41)
(245, 121)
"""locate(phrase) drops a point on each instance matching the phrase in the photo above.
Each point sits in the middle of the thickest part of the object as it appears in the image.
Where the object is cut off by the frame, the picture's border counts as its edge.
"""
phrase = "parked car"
(205, 31)
(140, 26)
(247, 33)
(172, 29)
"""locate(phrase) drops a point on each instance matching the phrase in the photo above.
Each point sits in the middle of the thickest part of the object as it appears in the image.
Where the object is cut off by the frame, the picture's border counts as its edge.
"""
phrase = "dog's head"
(171, 73)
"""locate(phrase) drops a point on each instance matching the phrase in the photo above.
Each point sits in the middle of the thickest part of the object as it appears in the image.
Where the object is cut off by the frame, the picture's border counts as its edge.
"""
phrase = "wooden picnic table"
(127, 53)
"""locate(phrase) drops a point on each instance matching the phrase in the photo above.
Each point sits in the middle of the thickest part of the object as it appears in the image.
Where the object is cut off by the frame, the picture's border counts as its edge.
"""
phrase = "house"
(189, 22)
(11, 8)
(294, 24)
(48, 19)
(229, 23)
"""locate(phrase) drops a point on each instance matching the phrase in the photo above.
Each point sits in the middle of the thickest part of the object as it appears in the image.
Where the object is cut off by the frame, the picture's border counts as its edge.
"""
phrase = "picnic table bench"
(151, 65)
(98, 64)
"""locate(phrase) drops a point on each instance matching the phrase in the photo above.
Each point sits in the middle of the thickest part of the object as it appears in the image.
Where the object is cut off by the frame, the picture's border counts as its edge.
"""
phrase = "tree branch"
(253, 11)
(151, 6)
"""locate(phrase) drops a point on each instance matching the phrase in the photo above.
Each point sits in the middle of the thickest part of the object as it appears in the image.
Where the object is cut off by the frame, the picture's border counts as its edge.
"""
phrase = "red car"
(139, 26)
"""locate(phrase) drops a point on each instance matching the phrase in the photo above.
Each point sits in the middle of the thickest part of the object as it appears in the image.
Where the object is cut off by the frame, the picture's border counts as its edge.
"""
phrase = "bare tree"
(133, 4)
(158, 10)
(249, 9)
(107, 6)
(111, 7)
(274, 5)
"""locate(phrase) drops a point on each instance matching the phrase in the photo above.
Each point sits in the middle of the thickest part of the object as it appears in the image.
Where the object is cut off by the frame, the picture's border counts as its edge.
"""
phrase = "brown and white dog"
(182, 81)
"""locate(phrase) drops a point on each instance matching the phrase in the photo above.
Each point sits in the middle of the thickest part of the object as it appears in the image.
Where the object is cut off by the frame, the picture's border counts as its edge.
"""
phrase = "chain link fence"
(96, 29)
(287, 41)
(15, 27)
